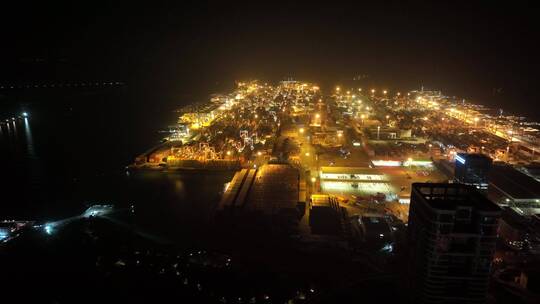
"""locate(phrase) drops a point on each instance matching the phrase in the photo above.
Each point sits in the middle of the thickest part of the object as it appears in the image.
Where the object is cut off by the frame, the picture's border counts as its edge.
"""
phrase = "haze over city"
(270, 153)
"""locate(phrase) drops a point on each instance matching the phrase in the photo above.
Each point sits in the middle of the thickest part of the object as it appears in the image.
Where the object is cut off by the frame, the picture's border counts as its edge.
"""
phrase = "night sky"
(483, 51)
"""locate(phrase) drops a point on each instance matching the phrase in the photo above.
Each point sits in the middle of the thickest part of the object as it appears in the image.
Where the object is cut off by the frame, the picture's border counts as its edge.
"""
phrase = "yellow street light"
(372, 91)
(338, 89)
(398, 93)
(307, 154)
(313, 179)
(301, 130)
(228, 152)
(317, 115)
(384, 92)
(359, 89)
(259, 153)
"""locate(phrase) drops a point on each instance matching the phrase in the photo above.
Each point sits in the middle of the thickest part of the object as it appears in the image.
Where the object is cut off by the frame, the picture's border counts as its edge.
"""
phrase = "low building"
(358, 181)
(267, 199)
(519, 228)
(325, 215)
(387, 133)
(375, 228)
(352, 174)
(330, 137)
(508, 186)
(513, 229)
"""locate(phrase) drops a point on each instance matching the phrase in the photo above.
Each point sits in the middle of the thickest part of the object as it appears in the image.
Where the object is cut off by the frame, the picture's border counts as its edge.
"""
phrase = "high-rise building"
(473, 169)
(452, 236)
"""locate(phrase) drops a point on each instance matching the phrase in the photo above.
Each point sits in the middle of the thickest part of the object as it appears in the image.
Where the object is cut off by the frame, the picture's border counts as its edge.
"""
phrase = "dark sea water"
(72, 151)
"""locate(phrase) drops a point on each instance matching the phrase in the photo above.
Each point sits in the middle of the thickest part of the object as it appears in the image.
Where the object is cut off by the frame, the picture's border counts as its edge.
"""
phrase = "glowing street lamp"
(301, 130)
(372, 91)
(384, 92)
(228, 152)
(307, 154)
(338, 89)
(317, 115)
(259, 153)
(313, 179)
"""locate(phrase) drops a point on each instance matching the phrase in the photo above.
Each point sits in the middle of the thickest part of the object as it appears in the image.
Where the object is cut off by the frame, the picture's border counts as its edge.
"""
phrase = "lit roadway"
(308, 155)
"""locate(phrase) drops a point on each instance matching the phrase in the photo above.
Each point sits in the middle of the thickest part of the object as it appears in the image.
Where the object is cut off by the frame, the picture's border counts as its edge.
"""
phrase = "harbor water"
(72, 150)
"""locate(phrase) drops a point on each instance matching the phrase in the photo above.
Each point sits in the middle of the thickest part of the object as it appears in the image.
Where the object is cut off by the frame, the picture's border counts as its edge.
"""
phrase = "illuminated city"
(277, 152)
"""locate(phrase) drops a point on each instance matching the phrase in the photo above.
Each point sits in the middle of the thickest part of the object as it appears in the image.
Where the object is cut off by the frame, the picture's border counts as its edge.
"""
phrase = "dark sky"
(459, 47)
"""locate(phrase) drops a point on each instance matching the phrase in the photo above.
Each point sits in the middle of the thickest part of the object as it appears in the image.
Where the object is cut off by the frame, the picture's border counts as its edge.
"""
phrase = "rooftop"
(474, 156)
(351, 170)
(275, 188)
(321, 200)
(451, 196)
(513, 183)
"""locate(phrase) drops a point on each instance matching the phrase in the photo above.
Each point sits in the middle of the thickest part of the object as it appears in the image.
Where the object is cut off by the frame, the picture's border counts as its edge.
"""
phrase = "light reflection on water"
(14, 122)
(29, 140)
(62, 160)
